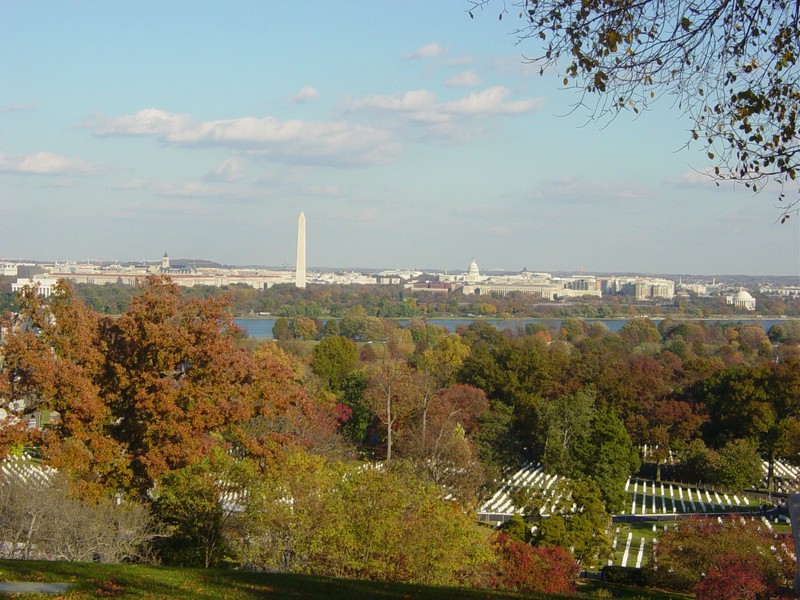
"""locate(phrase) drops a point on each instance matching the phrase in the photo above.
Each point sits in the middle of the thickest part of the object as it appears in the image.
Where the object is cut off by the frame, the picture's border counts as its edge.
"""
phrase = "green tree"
(584, 529)
(333, 358)
(200, 502)
(639, 331)
(739, 404)
(572, 329)
(353, 395)
(281, 330)
(304, 328)
(331, 328)
(353, 323)
(608, 457)
(370, 523)
(565, 421)
(517, 529)
(696, 462)
(497, 445)
(738, 466)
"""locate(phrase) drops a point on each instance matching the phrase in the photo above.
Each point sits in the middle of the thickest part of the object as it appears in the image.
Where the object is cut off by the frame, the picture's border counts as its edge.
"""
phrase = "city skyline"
(423, 140)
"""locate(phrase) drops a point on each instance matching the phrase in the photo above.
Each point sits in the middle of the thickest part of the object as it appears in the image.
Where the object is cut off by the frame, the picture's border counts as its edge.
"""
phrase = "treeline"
(243, 452)
(393, 301)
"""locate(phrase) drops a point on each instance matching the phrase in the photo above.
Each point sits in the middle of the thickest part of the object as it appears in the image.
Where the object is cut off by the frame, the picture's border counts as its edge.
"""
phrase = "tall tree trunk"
(29, 536)
(389, 425)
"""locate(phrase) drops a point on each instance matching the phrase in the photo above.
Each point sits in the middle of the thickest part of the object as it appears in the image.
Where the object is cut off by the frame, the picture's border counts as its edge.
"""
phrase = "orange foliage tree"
(149, 392)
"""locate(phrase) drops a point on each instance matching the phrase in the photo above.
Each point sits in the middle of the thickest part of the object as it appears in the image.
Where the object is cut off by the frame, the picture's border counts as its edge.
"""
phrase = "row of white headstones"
(786, 475)
(529, 477)
(698, 498)
(26, 470)
(669, 499)
(629, 542)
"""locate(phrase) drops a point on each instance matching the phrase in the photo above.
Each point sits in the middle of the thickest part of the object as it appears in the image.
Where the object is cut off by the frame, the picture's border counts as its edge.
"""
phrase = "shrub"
(524, 568)
(733, 578)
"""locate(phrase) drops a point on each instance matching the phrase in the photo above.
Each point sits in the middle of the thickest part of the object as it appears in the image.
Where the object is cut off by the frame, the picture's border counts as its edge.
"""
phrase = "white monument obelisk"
(300, 271)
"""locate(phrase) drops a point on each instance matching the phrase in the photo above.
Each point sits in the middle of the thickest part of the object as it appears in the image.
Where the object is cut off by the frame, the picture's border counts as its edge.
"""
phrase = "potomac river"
(259, 327)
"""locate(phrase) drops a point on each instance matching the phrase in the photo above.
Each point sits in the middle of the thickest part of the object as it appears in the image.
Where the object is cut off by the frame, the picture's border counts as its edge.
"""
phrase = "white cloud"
(150, 121)
(458, 61)
(195, 190)
(43, 163)
(231, 169)
(294, 141)
(427, 51)
(18, 108)
(190, 190)
(407, 101)
(703, 178)
(492, 101)
(423, 107)
(305, 94)
(588, 191)
(463, 79)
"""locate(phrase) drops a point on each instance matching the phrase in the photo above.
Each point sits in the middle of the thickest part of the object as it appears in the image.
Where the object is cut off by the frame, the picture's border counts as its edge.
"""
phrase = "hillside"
(93, 580)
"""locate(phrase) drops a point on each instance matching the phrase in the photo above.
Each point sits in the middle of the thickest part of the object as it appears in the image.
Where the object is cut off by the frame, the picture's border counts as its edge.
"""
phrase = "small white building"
(45, 284)
(741, 299)
(8, 269)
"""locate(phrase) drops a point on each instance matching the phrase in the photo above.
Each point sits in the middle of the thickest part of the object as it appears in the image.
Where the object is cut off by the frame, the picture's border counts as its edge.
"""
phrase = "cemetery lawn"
(93, 580)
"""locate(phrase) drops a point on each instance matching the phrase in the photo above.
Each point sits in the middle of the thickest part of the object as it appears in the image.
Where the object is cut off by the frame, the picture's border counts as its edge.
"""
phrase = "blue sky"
(408, 133)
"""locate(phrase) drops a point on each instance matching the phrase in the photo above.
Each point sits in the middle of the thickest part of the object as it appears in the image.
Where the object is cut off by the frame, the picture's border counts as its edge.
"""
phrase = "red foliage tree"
(733, 578)
(53, 361)
(525, 568)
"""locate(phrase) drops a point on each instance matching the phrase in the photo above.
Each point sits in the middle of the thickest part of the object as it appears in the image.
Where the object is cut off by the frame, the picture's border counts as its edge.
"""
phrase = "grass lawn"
(640, 529)
(94, 580)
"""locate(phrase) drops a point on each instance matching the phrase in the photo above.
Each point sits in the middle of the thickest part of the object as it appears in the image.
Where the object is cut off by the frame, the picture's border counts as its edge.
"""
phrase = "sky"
(411, 135)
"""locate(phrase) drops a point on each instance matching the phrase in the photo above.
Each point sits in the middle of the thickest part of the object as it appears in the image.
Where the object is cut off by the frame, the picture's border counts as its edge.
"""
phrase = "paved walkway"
(32, 587)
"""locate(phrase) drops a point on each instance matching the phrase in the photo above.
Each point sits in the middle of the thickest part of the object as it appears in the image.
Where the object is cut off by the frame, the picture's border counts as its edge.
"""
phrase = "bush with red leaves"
(525, 568)
(733, 578)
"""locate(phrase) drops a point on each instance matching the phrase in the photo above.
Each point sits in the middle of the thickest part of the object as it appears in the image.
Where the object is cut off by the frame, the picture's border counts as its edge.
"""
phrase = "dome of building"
(473, 273)
(742, 299)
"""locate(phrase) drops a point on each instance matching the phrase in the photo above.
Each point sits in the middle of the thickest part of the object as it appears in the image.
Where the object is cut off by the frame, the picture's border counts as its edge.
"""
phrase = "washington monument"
(300, 271)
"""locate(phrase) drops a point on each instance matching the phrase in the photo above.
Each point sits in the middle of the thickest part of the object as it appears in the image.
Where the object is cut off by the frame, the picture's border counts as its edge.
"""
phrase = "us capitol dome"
(473, 273)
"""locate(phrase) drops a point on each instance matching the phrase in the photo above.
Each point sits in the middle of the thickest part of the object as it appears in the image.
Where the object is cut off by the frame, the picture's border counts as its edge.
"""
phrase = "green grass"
(640, 529)
(94, 580)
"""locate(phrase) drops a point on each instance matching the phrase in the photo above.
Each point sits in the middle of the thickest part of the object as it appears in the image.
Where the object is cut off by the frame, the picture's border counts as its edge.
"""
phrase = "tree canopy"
(730, 66)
